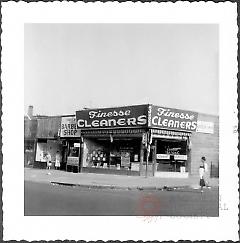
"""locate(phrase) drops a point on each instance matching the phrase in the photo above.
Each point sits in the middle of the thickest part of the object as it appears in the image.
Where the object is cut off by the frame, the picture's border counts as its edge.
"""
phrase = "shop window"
(97, 158)
(172, 155)
(73, 152)
(118, 154)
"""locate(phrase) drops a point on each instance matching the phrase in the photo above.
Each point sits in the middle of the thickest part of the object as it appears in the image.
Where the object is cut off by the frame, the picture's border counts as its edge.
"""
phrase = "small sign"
(144, 138)
(135, 166)
(69, 127)
(76, 145)
(180, 157)
(163, 156)
(125, 159)
(205, 127)
(74, 161)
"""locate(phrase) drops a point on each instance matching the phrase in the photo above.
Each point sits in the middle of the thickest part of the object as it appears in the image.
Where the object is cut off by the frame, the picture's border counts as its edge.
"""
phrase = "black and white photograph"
(118, 120)
(123, 118)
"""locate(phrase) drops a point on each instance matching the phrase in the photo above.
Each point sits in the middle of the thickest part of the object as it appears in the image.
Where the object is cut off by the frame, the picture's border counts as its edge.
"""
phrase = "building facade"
(133, 140)
(147, 139)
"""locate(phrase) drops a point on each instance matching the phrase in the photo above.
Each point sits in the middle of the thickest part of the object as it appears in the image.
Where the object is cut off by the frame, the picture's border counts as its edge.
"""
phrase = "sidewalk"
(92, 180)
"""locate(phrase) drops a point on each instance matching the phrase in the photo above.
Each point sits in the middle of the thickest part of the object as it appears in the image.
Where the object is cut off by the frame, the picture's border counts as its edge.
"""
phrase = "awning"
(115, 132)
(168, 134)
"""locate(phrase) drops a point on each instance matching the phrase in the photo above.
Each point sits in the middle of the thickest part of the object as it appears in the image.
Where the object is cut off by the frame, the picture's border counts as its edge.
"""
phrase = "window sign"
(163, 156)
(180, 157)
(125, 159)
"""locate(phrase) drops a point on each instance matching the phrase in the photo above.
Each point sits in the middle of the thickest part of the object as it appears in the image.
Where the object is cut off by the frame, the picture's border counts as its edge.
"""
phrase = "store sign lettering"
(137, 116)
(173, 119)
(205, 127)
(69, 127)
(98, 114)
(132, 116)
(132, 121)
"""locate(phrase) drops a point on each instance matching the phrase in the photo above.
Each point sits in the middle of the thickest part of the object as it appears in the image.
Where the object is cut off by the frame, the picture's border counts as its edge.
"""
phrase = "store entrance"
(172, 155)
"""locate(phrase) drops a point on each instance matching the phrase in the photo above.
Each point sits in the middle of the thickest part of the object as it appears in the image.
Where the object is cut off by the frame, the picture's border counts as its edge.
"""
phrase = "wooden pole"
(141, 159)
(154, 152)
(35, 151)
(80, 163)
(147, 163)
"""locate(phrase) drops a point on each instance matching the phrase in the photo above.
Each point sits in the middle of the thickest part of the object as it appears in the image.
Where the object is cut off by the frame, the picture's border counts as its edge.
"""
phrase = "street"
(49, 199)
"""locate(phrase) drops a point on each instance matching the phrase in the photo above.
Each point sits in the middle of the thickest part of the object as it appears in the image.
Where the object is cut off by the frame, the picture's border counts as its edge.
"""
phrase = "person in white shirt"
(205, 165)
(57, 161)
(201, 175)
(203, 169)
(49, 161)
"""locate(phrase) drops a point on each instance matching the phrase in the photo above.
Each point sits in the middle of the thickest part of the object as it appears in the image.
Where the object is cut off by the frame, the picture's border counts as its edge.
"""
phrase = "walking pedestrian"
(203, 173)
(205, 165)
(49, 162)
(57, 161)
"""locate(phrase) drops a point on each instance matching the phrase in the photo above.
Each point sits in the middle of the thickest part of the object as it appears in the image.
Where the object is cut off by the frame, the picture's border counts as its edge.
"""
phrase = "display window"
(118, 154)
(172, 155)
(44, 147)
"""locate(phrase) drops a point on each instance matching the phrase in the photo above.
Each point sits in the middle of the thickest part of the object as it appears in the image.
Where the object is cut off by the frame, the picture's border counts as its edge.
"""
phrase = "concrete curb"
(139, 188)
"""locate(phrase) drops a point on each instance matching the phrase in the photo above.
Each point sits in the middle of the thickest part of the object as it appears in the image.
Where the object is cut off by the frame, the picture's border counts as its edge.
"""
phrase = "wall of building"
(30, 128)
(204, 144)
(48, 127)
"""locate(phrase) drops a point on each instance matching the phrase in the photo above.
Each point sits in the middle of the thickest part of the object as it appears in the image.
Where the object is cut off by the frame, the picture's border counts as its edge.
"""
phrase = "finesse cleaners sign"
(130, 116)
(173, 119)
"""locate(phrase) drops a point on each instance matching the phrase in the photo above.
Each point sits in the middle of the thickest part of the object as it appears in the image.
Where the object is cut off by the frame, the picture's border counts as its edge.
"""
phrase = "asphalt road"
(48, 199)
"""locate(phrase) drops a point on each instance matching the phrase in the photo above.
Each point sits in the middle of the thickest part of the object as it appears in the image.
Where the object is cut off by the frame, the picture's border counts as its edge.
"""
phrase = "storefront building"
(47, 140)
(70, 139)
(146, 140)
(30, 131)
(132, 140)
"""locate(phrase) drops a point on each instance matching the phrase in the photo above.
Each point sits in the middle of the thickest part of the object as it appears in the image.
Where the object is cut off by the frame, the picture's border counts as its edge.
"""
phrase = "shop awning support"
(80, 165)
(149, 141)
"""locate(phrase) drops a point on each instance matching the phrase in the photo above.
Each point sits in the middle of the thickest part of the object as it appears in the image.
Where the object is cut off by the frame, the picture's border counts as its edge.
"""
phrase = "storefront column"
(81, 155)
(141, 159)
(189, 152)
(35, 151)
(154, 156)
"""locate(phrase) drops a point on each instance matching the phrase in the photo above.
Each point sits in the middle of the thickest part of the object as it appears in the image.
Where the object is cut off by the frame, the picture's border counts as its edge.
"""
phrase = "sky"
(71, 66)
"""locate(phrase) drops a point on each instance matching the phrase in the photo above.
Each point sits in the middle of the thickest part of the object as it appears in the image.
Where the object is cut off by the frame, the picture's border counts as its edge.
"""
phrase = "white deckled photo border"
(19, 227)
